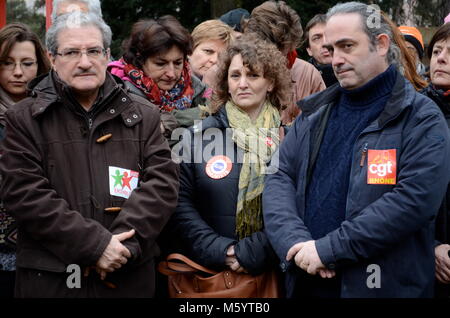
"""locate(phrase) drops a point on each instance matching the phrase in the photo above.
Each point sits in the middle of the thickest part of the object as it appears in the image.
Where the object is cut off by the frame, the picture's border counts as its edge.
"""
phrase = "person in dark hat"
(234, 17)
(414, 43)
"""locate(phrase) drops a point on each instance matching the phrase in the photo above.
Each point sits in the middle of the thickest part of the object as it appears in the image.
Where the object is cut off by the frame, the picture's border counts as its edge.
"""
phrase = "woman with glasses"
(22, 58)
(155, 64)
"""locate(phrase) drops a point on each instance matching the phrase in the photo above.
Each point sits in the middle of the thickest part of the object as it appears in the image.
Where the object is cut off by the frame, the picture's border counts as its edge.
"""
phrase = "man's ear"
(309, 51)
(51, 57)
(383, 44)
(108, 54)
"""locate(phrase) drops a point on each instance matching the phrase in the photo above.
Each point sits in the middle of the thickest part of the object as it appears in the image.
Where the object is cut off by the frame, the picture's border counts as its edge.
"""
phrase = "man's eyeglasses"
(24, 65)
(74, 54)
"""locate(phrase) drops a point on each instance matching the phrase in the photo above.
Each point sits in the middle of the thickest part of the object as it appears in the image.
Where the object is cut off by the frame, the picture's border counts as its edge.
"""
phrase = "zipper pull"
(363, 155)
(90, 123)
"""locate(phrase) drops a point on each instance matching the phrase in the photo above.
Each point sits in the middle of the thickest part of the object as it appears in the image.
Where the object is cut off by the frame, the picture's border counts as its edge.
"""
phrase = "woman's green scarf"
(258, 140)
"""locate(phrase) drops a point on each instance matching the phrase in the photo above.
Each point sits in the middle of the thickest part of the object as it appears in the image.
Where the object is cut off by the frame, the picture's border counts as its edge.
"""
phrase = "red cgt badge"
(382, 166)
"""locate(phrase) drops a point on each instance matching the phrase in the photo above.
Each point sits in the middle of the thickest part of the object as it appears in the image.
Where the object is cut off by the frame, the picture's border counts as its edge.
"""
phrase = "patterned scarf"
(258, 140)
(179, 97)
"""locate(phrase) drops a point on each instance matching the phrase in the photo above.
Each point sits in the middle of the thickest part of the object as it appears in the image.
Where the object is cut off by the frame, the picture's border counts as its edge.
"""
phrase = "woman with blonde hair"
(210, 38)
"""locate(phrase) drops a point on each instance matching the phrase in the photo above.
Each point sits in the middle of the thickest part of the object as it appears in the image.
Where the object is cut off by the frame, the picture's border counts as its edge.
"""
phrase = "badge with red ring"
(218, 167)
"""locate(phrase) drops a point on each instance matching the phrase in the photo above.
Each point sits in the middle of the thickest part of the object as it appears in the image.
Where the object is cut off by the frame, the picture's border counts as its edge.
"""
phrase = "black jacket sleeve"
(255, 253)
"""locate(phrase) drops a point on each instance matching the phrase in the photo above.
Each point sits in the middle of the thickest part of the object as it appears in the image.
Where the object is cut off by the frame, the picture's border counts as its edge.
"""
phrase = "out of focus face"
(248, 89)
(316, 38)
(205, 55)
(18, 69)
(165, 69)
(412, 49)
(71, 6)
(440, 64)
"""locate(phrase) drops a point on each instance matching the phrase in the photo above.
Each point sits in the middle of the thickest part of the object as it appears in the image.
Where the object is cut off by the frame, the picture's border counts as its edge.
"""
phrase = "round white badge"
(218, 167)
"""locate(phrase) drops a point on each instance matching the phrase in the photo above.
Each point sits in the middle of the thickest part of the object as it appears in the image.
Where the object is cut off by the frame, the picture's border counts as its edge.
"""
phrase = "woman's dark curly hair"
(150, 37)
(259, 56)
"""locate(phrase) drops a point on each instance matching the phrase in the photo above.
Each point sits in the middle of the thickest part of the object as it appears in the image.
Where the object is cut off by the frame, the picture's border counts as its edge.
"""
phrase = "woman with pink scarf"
(154, 65)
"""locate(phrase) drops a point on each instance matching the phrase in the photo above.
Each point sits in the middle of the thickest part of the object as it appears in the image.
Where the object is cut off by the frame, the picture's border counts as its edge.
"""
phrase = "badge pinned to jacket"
(382, 166)
(218, 167)
(122, 181)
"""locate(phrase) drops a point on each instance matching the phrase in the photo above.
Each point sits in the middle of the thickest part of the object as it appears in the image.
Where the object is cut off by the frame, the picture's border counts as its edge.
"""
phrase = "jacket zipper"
(90, 122)
(363, 155)
(90, 115)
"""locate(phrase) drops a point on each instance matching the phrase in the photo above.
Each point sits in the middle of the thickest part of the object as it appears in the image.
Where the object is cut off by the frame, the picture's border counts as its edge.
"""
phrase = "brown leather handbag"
(187, 279)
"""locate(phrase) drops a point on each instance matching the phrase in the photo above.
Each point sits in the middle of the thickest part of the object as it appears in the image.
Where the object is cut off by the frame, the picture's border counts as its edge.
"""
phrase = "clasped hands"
(442, 259)
(114, 256)
(306, 257)
(232, 262)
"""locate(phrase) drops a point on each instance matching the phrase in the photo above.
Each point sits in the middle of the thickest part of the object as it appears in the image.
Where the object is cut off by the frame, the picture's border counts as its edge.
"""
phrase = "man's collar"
(53, 89)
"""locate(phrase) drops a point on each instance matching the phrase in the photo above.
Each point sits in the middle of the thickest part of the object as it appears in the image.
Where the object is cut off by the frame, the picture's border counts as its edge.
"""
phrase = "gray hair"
(94, 7)
(371, 29)
(76, 20)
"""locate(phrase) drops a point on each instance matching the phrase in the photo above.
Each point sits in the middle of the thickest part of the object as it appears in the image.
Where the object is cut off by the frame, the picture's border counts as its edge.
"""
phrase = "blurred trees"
(120, 14)
(17, 11)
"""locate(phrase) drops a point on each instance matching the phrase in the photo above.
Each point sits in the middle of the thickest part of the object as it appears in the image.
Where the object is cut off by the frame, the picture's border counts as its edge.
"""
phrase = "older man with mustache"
(68, 149)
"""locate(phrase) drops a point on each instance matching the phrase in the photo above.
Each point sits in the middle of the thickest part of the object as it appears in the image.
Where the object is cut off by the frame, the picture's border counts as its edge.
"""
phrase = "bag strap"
(190, 263)
(168, 267)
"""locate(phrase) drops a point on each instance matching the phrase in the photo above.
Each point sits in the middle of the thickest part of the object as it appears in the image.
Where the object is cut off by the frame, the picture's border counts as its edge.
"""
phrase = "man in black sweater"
(362, 172)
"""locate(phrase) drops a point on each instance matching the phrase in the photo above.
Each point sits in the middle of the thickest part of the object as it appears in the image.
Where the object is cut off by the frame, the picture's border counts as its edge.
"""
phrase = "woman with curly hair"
(219, 215)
